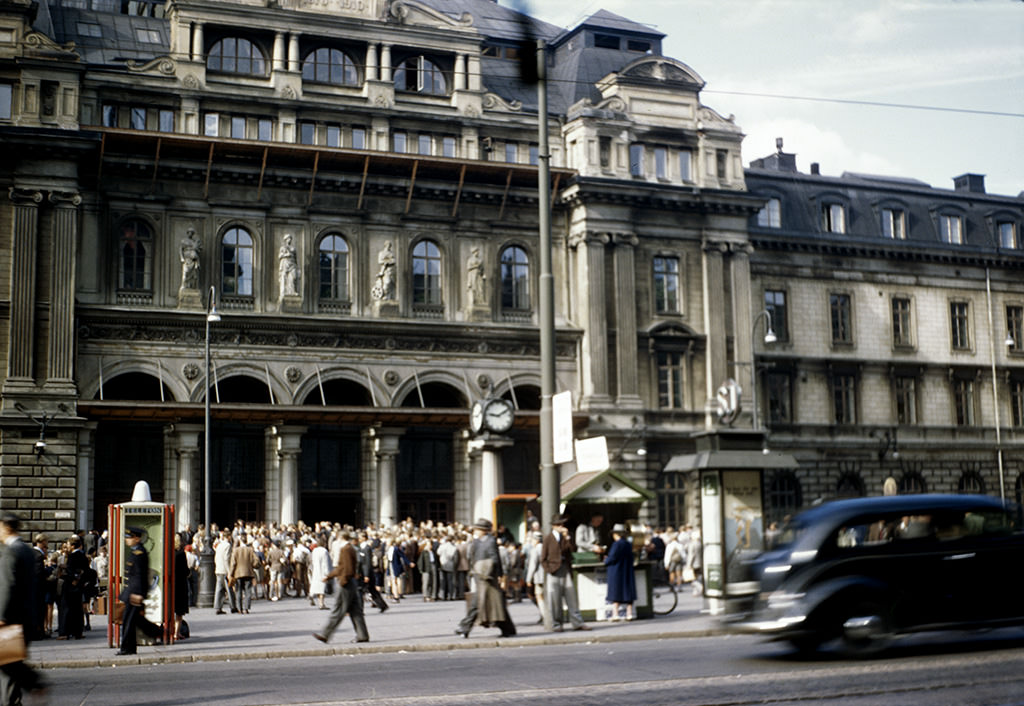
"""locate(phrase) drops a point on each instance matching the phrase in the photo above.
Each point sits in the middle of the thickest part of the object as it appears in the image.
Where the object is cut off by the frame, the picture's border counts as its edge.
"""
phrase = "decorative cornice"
(410, 12)
(42, 46)
(161, 65)
(492, 101)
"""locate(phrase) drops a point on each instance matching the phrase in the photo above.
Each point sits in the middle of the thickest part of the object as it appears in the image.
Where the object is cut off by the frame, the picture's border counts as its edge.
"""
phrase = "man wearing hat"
(136, 571)
(556, 558)
(488, 602)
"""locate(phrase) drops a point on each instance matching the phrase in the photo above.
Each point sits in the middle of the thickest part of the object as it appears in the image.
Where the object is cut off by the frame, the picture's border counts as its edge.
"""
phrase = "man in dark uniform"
(348, 601)
(364, 554)
(488, 602)
(136, 571)
(17, 605)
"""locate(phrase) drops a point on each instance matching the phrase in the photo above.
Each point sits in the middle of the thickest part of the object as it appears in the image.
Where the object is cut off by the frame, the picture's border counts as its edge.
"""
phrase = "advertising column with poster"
(744, 527)
(157, 522)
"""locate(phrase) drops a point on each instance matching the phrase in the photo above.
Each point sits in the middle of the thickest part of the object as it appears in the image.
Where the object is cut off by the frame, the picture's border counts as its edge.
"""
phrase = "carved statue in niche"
(476, 279)
(288, 267)
(384, 286)
(191, 246)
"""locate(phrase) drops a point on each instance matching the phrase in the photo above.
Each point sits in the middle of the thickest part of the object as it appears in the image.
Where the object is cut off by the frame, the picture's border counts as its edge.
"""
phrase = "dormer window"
(606, 41)
(637, 45)
(833, 218)
(422, 75)
(951, 228)
(236, 55)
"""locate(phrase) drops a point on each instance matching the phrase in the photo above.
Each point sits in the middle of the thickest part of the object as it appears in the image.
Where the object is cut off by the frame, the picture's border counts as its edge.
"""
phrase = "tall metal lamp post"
(206, 565)
(769, 337)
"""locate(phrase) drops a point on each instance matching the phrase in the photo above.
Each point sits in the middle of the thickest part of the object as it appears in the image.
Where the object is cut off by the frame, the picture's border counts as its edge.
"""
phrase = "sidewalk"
(284, 629)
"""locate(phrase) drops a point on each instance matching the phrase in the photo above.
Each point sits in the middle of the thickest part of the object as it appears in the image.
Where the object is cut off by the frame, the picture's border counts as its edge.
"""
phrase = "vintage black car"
(866, 569)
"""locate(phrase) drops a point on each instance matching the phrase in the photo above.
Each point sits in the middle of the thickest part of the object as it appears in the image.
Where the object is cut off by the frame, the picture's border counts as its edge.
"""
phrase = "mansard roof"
(603, 19)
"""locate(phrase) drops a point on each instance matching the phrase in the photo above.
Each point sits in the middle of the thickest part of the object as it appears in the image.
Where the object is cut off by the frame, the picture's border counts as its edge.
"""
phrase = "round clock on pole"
(476, 417)
(499, 415)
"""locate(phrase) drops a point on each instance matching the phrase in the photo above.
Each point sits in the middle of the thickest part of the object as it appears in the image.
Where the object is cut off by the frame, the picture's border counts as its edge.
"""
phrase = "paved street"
(269, 658)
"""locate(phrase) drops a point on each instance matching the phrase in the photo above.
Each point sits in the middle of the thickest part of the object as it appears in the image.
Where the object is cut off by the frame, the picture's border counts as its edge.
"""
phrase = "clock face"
(499, 415)
(476, 417)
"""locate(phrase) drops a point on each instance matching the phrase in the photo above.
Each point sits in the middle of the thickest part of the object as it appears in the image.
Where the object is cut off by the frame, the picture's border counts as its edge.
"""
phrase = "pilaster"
(23, 286)
(714, 324)
(624, 264)
(592, 296)
(61, 351)
(289, 448)
(386, 453)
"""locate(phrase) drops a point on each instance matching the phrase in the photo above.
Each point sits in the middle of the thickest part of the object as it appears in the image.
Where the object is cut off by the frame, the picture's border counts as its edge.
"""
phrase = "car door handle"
(957, 557)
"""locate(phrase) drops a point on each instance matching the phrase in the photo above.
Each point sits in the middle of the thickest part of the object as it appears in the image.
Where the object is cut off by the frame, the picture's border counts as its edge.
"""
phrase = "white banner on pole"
(561, 413)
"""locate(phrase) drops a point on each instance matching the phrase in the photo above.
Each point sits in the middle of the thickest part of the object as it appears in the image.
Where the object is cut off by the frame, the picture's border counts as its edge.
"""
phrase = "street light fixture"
(769, 338)
(206, 588)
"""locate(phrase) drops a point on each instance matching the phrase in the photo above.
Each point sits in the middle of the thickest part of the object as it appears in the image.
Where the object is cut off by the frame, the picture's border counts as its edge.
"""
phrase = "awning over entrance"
(599, 487)
(737, 459)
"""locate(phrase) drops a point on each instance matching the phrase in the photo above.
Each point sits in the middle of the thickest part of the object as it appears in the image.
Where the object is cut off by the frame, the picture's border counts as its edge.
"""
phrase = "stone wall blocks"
(61, 493)
(38, 482)
(67, 482)
(35, 504)
(65, 504)
(18, 492)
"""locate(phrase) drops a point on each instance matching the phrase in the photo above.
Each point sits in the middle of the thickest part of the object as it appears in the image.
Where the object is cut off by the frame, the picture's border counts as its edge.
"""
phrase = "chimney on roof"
(778, 162)
(973, 183)
(815, 168)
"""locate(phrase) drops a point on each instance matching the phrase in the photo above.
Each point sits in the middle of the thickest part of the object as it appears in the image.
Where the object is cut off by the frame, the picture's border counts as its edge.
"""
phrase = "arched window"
(426, 273)
(326, 65)
(235, 55)
(334, 268)
(972, 483)
(237, 259)
(850, 485)
(784, 496)
(515, 278)
(420, 74)
(135, 256)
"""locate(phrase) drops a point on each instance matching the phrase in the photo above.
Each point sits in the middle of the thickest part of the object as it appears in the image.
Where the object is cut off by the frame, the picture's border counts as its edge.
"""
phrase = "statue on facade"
(384, 286)
(476, 279)
(288, 267)
(190, 249)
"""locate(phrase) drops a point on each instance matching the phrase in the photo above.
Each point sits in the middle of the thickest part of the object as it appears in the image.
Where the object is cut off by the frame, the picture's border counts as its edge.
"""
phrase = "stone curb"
(483, 643)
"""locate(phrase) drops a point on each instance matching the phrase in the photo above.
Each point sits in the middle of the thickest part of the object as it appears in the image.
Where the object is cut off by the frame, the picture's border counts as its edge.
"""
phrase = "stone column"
(289, 447)
(61, 350)
(743, 313)
(387, 486)
(24, 238)
(279, 55)
(592, 297)
(197, 42)
(460, 72)
(293, 52)
(385, 62)
(714, 325)
(485, 453)
(624, 263)
(188, 484)
(371, 62)
(474, 78)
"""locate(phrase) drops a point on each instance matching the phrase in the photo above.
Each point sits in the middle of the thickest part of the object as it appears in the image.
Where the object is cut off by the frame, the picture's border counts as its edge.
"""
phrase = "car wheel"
(864, 629)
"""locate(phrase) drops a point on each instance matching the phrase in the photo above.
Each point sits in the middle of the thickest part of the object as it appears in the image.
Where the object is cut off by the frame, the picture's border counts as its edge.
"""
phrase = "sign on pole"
(592, 454)
(561, 412)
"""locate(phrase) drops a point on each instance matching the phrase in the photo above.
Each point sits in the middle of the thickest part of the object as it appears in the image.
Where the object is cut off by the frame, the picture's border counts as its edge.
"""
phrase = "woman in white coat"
(319, 567)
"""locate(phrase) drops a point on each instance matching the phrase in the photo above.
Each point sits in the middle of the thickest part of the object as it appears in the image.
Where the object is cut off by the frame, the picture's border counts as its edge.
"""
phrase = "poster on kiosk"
(157, 522)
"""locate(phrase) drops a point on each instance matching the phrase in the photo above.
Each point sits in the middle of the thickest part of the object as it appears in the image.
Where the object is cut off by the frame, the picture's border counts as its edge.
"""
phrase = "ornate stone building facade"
(353, 186)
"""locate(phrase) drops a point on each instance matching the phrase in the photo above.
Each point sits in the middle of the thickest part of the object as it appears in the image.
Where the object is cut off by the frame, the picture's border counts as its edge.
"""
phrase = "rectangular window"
(6, 101)
(666, 284)
(685, 165)
(670, 380)
(1007, 235)
(894, 223)
(448, 146)
(901, 322)
(211, 124)
(89, 29)
(307, 133)
(333, 136)
(833, 218)
(905, 399)
(606, 41)
(109, 115)
(237, 128)
(722, 164)
(511, 152)
(770, 215)
(842, 318)
(661, 162)
(636, 160)
(604, 151)
(137, 118)
(963, 401)
(358, 138)
(951, 229)
(147, 36)
(425, 145)
(778, 387)
(1015, 328)
(398, 142)
(534, 154)
(775, 303)
(844, 400)
(166, 120)
(637, 45)
(1017, 402)
(959, 326)
(265, 130)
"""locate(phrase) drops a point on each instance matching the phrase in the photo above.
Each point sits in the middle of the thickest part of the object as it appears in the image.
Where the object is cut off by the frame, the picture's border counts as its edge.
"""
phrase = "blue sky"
(954, 54)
